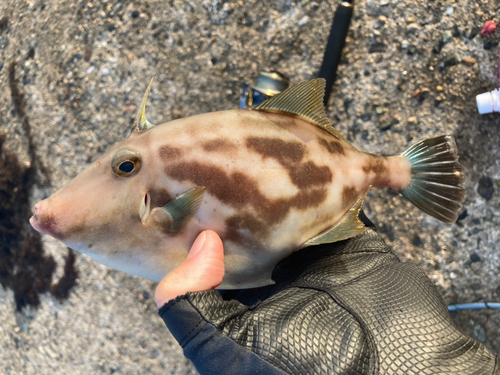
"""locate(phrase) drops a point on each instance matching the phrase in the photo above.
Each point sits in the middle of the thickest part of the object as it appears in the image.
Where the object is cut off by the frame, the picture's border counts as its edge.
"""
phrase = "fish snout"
(43, 221)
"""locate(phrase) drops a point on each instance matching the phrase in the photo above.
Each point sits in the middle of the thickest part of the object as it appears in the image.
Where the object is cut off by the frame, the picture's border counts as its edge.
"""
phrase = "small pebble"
(451, 60)
(417, 241)
(382, 19)
(176, 113)
(469, 61)
(412, 28)
(90, 69)
(462, 215)
(480, 333)
(88, 53)
(475, 258)
(129, 109)
(447, 35)
(303, 21)
(4, 21)
(438, 47)
(105, 71)
(439, 88)
(412, 120)
(377, 47)
(410, 19)
(485, 188)
(489, 45)
(412, 50)
(404, 44)
(449, 11)
(441, 66)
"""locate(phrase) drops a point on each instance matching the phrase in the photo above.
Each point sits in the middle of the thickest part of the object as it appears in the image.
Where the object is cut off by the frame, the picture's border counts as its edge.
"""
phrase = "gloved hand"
(345, 308)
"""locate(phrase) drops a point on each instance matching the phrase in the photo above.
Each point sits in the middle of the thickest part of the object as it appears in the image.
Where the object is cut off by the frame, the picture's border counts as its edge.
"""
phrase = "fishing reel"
(268, 84)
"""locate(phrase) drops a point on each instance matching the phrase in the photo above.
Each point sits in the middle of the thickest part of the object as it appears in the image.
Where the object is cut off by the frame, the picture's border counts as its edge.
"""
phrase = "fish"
(270, 180)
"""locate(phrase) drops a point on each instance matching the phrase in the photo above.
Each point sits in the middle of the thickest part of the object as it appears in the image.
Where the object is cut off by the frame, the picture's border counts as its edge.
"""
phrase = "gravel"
(83, 67)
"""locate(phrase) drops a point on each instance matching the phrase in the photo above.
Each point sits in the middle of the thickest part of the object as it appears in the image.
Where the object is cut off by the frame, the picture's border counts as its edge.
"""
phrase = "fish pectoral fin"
(349, 226)
(304, 100)
(182, 208)
(160, 220)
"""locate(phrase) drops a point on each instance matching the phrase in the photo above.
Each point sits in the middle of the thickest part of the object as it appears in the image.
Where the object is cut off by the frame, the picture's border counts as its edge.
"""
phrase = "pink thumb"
(203, 269)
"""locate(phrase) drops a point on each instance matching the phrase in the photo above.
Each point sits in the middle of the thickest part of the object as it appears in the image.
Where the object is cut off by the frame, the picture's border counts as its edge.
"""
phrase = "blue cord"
(474, 306)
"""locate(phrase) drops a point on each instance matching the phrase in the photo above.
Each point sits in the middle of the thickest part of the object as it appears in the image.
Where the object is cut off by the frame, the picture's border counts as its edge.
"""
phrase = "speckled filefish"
(269, 180)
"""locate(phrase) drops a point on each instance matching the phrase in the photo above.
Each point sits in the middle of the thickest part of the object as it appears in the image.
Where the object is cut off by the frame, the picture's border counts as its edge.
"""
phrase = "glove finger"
(203, 269)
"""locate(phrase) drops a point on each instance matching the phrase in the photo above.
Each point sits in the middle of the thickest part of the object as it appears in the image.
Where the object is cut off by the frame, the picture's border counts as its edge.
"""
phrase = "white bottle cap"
(488, 102)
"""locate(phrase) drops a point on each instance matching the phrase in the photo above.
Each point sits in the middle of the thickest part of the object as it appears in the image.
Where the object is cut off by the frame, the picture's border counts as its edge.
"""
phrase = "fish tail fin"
(437, 178)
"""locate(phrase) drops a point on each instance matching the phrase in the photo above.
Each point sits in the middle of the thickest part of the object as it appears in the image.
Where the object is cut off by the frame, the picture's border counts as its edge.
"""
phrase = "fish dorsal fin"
(349, 226)
(141, 123)
(304, 100)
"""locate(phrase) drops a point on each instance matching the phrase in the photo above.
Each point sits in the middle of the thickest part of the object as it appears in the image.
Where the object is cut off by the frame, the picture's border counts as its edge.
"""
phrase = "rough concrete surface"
(411, 70)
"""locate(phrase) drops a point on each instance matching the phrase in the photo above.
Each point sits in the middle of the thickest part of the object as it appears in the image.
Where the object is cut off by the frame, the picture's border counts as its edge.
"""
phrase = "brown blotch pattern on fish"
(284, 152)
(169, 152)
(375, 165)
(239, 190)
(246, 221)
(266, 217)
(235, 189)
(309, 174)
(159, 197)
(218, 145)
(333, 147)
(290, 155)
(349, 195)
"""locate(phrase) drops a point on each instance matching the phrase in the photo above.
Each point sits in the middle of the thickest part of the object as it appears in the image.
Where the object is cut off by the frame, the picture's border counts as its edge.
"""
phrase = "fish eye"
(126, 163)
(126, 166)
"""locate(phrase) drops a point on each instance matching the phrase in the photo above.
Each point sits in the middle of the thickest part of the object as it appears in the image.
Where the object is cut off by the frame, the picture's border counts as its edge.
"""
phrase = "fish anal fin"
(304, 100)
(349, 226)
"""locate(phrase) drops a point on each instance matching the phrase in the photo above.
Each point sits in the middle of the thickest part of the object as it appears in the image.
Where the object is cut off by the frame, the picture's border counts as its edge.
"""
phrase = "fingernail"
(197, 245)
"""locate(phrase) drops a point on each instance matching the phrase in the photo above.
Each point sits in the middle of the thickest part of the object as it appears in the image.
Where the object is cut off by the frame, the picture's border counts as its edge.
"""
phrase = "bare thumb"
(203, 269)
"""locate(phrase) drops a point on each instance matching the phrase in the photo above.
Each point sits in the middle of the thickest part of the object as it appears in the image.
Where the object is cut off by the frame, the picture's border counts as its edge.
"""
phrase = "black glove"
(345, 308)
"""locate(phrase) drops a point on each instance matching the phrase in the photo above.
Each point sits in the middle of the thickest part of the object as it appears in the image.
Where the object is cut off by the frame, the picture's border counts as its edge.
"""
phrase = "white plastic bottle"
(488, 102)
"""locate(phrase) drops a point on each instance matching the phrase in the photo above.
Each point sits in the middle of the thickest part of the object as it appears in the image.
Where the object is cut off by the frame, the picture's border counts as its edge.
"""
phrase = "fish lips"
(45, 224)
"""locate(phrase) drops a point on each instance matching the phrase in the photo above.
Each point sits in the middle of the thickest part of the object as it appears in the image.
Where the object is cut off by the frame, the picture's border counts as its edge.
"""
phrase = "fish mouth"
(44, 223)
(35, 224)
(43, 226)
(145, 208)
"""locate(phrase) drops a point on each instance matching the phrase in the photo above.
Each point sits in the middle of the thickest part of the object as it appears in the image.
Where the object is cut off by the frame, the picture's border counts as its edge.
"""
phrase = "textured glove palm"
(346, 308)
